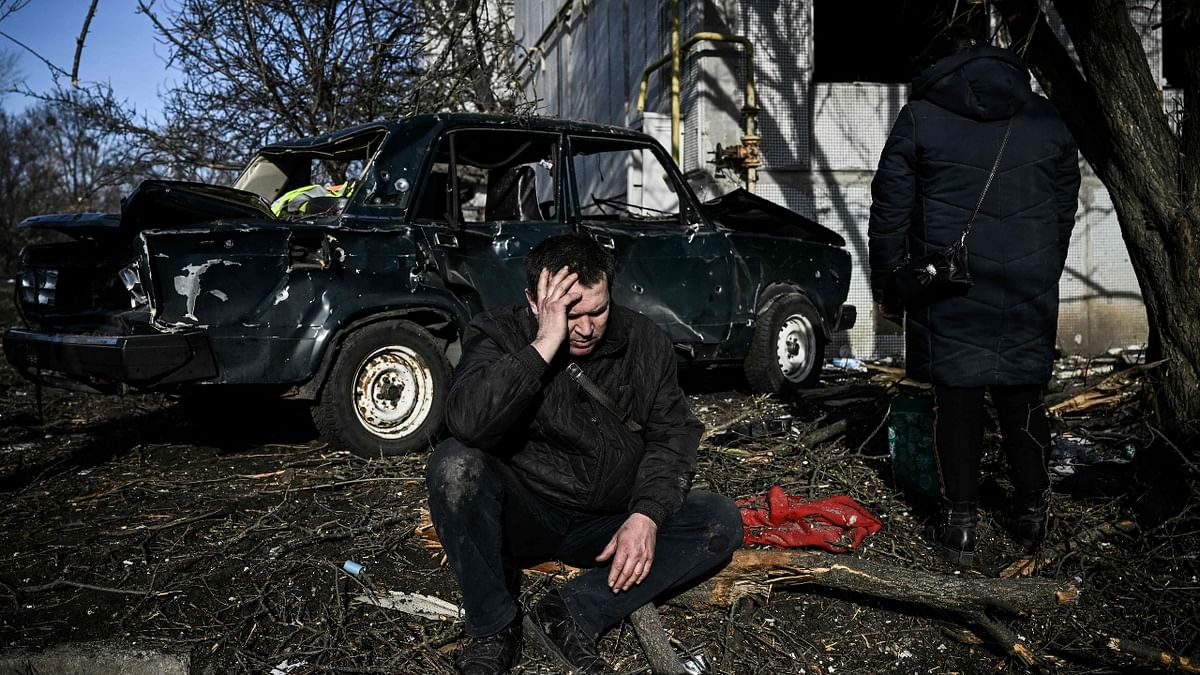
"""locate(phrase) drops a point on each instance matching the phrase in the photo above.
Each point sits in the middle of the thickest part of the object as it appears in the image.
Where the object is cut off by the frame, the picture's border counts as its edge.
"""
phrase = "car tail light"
(39, 286)
(132, 279)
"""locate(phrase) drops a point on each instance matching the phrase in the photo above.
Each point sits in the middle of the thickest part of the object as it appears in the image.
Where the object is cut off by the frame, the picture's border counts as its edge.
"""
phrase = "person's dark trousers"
(958, 438)
(485, 516)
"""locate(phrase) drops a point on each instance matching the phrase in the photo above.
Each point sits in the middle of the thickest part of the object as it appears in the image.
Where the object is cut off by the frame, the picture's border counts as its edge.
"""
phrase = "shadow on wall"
(785, 92)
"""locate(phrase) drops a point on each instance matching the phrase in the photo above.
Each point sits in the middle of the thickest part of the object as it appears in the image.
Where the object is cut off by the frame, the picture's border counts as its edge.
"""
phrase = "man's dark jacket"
(933, 168)
(560, 442)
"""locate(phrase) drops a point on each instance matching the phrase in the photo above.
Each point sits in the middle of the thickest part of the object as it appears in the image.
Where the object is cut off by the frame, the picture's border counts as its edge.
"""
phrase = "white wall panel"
(851, 121)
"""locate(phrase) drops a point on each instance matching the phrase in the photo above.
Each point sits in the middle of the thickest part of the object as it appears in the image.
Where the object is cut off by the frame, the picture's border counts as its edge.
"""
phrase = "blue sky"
(120, 49)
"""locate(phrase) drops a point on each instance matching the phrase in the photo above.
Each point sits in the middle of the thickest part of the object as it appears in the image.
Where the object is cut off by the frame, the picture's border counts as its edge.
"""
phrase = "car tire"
(788, 348)
(385, 392)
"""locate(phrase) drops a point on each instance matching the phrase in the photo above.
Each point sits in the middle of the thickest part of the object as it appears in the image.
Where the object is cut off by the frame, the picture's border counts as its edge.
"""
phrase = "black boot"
(563, 640)
(492, 654)
(1029, 519)
(953, 532)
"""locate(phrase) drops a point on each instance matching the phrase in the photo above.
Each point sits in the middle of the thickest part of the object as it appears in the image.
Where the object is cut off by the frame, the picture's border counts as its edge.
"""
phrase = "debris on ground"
(121, 527)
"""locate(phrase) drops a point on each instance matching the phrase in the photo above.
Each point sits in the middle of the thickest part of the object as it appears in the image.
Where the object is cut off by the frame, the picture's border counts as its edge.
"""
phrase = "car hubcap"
(796, 348)
(393, 392)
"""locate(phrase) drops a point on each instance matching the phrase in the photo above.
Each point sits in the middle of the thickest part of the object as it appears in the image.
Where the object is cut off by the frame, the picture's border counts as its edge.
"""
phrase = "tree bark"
(1112, 103)
(663, 659)
(1154, 656)
(757, 570)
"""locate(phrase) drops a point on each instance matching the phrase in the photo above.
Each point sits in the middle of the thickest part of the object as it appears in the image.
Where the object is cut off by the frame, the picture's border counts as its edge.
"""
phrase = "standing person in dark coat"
(1000, 335)
(539, 469)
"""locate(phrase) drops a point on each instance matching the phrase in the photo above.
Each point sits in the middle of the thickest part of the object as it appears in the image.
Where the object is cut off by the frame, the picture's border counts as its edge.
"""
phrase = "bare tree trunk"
(1114, 108)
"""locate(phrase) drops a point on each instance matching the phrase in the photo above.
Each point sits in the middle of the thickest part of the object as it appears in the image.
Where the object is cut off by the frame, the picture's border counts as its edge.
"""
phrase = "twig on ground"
(59, 583)
(1158, 657)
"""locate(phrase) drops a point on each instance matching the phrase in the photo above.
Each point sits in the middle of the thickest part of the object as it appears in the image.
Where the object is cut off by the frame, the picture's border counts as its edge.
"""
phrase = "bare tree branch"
(87, 21)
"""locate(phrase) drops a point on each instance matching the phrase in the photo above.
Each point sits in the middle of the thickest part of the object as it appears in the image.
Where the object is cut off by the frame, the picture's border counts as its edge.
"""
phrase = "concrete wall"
(820, 140)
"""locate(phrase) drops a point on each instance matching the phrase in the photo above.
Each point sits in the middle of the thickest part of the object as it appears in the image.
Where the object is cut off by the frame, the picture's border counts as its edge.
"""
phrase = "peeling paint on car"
(188, 283)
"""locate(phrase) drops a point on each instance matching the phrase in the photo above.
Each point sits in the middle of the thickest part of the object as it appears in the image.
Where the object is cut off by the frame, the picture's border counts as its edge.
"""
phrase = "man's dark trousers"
(485, 517)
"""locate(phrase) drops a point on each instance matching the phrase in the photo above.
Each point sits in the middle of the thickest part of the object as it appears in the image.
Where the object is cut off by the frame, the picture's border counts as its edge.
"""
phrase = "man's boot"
(1029, 519)
(562, 639)
(953, 532)
(492, 654)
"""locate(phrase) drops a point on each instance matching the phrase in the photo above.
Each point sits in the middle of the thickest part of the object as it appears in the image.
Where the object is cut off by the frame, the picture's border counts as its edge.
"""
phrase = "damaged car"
(342, 270)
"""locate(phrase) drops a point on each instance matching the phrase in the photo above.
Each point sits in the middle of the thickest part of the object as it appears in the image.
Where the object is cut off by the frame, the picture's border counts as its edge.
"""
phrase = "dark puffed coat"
(931, 173)
(561, 444)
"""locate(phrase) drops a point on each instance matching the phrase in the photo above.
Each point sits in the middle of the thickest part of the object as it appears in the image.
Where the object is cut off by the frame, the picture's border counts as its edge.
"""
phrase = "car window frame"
(454, 223)
(690, 215)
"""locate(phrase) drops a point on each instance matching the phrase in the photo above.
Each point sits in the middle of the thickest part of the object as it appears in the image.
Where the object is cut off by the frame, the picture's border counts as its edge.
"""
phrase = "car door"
(672, 266)
(489, 195)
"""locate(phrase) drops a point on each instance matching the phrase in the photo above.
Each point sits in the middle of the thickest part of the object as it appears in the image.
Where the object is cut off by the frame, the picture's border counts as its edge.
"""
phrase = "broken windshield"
(304, 179)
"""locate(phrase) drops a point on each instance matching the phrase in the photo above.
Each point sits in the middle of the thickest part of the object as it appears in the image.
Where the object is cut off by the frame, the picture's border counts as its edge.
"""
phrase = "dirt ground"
(222, 540)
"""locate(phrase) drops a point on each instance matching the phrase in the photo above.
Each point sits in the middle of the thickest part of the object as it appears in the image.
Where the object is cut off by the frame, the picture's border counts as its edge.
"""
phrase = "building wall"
(820, 140)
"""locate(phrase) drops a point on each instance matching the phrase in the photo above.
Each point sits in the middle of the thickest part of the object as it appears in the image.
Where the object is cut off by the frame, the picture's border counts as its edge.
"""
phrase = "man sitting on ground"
(595, 471)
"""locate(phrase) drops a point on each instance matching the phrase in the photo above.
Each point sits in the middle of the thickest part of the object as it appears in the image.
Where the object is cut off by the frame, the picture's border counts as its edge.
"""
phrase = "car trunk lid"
(159, 204)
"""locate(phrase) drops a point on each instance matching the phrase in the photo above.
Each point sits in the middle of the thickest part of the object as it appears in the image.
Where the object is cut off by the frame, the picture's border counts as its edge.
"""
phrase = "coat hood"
(984, 83)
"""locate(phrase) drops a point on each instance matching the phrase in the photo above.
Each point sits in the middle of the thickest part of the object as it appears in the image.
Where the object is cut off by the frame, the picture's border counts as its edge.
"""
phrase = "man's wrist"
(650, 509)
(638, 515)
(546, 347)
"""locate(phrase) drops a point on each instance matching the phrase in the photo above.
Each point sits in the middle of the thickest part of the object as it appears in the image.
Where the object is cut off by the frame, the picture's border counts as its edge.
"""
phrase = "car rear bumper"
(110, 363)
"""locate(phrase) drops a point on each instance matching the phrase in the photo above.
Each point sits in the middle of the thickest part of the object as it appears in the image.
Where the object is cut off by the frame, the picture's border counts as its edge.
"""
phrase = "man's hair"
(579, 252)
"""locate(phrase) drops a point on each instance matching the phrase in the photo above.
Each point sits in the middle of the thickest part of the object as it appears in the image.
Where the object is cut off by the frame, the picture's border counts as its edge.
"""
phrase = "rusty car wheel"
(385, 392)
(788, 348)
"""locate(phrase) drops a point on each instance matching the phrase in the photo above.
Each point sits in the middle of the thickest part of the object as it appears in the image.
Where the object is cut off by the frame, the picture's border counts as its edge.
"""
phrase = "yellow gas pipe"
(747, 153)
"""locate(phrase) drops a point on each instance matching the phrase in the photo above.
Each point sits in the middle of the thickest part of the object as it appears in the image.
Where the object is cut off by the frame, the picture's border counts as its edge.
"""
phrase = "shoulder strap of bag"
(585, 383)
(988, 184)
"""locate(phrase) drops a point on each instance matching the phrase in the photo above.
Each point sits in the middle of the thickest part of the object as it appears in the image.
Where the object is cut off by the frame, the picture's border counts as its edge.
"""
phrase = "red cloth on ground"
(836, 524)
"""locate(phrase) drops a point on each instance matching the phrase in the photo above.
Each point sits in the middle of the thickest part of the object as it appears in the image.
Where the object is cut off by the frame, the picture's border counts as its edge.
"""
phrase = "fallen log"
(663, 659)
(753, 570)
(970, 599)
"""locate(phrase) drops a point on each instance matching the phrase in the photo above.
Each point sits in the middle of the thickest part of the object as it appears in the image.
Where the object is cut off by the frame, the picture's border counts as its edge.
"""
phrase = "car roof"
(419, 123)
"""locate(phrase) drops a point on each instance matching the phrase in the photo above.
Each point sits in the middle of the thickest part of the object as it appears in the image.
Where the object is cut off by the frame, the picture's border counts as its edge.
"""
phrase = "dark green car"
(343, 270)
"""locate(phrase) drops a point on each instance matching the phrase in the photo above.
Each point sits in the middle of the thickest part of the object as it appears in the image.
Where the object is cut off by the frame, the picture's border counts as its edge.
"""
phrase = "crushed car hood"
(747, 212)
(161, 204)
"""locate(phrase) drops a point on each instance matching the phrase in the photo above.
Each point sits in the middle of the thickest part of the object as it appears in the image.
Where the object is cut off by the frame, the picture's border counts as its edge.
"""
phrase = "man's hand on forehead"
(556, 293)
(558, 285)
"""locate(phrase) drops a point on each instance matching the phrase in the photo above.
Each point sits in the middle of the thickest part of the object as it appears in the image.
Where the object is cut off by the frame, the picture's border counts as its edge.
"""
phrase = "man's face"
(587, 319)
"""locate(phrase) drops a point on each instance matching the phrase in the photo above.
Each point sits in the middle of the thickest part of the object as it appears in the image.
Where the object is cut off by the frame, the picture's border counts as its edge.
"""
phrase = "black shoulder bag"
(943, 274)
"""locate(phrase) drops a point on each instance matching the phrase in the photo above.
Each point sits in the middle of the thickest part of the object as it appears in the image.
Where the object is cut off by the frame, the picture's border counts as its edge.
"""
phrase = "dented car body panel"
(686, 284)
(269, 298)
(425, 220)
(818, 272)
